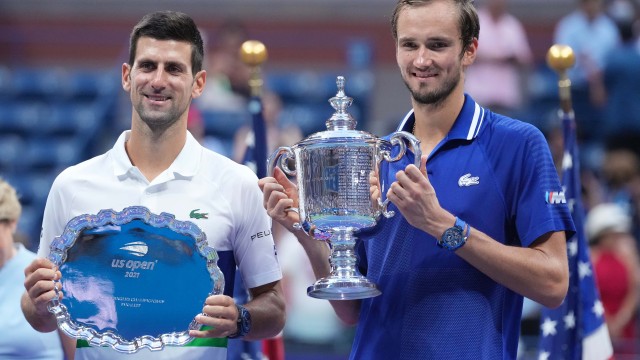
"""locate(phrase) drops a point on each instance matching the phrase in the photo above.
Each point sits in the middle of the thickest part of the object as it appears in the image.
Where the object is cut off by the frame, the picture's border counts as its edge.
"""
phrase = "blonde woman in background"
(19, 340)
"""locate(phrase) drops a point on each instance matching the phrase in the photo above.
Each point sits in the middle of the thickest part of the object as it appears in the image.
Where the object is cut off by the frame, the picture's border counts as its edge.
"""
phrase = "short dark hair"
(468, 20)
(169, 25)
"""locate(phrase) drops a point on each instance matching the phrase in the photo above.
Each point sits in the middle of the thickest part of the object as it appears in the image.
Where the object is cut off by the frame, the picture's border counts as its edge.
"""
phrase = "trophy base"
(351, 288)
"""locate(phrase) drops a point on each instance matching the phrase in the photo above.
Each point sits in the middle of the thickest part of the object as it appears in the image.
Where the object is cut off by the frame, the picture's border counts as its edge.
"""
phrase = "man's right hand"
(39, 285)
(279, 196)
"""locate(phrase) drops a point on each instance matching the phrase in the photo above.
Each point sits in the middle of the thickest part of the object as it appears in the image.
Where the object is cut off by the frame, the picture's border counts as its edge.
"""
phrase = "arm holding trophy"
(331, 202)
(280, 195)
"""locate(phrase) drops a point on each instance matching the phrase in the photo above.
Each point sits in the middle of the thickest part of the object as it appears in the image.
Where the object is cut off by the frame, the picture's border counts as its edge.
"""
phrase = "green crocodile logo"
(196, 215)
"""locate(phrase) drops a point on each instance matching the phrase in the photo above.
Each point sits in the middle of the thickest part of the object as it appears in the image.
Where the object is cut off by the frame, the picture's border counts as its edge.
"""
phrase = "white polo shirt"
(199, 181)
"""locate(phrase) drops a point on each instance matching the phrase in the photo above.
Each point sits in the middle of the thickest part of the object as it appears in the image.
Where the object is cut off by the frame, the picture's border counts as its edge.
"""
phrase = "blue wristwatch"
(456, 236)
(244, 323)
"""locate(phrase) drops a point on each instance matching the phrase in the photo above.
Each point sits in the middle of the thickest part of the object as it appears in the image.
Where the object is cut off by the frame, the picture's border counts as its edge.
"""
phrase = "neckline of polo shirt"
(466, 126)
(186, 163)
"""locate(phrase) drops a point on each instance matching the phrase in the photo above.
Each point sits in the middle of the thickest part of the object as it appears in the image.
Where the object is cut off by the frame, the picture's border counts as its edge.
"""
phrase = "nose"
(158, 81)
(422, 57)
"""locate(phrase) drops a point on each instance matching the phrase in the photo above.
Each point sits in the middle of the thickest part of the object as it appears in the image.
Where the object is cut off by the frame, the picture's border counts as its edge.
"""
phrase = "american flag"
(576, 330)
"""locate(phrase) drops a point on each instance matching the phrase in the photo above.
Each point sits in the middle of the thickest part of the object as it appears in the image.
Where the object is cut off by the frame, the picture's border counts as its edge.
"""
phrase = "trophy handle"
(279, 158)
(398, 138)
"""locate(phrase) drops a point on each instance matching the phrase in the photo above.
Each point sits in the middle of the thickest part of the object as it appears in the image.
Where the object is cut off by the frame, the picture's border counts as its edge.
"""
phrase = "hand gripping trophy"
(332, 168)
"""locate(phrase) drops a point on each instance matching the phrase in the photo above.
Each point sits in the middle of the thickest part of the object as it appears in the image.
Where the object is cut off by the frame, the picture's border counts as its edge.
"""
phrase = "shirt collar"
(186, 164)
(467, 125)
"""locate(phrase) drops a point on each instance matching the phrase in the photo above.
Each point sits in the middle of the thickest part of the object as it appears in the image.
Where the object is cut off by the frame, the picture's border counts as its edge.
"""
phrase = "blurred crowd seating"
(49, 119)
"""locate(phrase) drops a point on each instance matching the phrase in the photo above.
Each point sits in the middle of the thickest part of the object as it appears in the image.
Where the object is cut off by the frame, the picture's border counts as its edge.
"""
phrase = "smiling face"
(429, 51)
(161, 83)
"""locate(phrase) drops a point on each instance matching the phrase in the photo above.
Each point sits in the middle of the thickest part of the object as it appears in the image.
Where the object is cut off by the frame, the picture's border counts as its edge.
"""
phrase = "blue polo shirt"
(497, 174)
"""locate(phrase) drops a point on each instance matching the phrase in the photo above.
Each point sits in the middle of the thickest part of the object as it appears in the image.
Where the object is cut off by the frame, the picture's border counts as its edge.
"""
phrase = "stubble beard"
(434, 97)
(158, 121)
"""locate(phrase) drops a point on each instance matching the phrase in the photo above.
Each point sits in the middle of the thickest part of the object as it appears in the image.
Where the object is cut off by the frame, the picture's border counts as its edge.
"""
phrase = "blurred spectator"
(18, 340)
(592, 35)
(622, 73)
(615, 262)
(621, 171)
(496, 80)
(224, 103)
(617, 179)
(277, 134)
(227, 86)
(196, 125)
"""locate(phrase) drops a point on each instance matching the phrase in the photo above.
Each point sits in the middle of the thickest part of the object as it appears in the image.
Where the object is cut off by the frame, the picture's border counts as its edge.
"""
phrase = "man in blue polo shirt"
(483, 222)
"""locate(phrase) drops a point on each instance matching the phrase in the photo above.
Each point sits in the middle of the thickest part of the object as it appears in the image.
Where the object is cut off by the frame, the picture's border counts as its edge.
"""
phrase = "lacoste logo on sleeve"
(194, 214)
(468, 180)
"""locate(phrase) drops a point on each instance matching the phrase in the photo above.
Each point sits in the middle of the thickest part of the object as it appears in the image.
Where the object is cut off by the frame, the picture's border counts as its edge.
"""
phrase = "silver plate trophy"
(332, 169)
(132, 279)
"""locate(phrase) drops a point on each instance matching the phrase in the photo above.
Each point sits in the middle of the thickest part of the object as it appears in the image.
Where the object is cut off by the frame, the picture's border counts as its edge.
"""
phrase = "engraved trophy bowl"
(332, 169)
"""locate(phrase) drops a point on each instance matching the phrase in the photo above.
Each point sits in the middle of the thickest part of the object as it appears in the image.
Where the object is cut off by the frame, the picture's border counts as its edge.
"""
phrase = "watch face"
(452, 238)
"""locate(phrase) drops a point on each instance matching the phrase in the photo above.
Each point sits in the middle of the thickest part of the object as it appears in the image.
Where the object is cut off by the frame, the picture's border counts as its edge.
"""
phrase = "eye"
(172, 68)
(438, 45)
(146, 65)
(409, 45)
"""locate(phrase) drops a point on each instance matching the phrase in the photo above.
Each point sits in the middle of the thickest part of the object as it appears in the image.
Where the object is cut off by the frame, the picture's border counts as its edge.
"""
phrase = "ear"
(126, 77)
(470, 53)
(198, 83)
(13, 226)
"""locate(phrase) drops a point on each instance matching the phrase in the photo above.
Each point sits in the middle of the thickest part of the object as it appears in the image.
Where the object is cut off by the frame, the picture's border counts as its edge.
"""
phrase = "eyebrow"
(167, 63)
(430, 39)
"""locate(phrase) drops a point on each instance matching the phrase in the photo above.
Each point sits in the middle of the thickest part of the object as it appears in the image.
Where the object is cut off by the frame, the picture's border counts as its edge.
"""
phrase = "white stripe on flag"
(597, 346)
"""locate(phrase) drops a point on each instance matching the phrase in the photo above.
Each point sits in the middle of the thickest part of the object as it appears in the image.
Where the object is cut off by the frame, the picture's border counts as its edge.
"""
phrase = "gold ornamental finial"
(254, 53)
(561, 58)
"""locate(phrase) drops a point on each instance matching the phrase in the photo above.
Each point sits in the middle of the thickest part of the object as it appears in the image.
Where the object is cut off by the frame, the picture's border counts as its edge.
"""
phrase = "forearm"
(43, 322)
(267, 310)
(537, 272)
(318, 253)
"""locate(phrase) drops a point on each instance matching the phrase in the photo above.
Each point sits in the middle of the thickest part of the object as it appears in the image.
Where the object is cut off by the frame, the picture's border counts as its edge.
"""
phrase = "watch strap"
(460, 230)
(243, 323)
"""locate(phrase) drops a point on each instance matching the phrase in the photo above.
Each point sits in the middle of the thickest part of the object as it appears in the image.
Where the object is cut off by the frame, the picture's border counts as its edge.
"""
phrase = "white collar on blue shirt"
(467, 125)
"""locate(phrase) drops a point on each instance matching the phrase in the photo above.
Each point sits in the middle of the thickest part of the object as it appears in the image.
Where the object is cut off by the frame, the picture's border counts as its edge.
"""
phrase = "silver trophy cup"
(332, 169)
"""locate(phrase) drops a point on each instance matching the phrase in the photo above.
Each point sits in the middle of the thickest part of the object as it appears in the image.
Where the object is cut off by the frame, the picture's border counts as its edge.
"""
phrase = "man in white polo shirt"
(159, 165)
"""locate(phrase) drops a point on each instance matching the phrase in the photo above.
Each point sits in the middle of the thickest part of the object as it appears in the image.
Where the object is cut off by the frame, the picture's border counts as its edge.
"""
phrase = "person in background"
(474, 230)
(614, 255)
(278, 134)
(621, 74)
(18, 340)
(497, 80)
(592, 35)
(160, 165)
(228, 76)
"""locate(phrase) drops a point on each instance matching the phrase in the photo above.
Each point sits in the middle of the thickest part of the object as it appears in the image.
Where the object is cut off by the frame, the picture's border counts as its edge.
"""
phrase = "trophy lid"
(341, 119)
(341, 125)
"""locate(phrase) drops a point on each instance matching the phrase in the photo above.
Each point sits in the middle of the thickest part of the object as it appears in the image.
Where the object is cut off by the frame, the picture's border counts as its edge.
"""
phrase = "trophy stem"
(345, 281)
